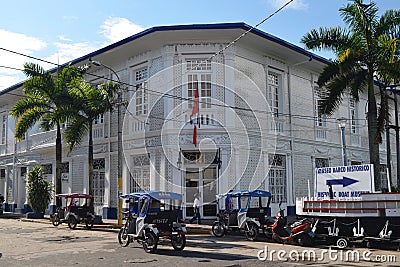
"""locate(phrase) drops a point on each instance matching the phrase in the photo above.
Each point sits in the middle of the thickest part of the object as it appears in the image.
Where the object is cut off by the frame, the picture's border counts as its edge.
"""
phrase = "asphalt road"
(38, 244)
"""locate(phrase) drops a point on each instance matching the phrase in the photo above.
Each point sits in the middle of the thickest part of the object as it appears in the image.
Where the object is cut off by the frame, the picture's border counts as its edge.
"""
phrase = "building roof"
(177, 28)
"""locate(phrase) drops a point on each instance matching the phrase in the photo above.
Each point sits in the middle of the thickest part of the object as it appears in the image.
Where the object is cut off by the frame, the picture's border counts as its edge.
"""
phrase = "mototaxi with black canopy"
(76, 208)
(151, 216)
(245, 210)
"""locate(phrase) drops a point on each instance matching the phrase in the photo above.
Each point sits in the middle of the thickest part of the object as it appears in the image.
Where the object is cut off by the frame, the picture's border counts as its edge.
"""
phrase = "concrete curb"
(200, 230)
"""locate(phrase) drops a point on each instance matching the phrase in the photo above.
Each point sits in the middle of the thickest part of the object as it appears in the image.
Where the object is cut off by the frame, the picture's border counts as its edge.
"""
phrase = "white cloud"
(296, 4)
(63, 38)
(20, 43)
(68, 52)
(116, 29)
(113, 30)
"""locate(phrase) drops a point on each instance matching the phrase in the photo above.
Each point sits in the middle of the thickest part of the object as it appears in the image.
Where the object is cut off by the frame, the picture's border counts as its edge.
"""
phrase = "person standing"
(196, 208)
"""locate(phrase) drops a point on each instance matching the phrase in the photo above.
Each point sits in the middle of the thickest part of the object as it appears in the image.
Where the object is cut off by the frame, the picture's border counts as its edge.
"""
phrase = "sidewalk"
(109, 224)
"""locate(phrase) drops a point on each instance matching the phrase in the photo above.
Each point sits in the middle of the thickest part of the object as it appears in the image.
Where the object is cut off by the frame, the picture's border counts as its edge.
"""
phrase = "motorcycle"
(300, 232)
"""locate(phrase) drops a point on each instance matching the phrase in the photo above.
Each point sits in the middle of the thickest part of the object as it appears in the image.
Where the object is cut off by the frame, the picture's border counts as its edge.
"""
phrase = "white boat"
(369, 215)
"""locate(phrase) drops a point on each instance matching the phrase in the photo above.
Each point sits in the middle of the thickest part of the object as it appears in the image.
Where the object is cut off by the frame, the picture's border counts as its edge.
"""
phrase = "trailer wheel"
(305, 240)
(342, 243)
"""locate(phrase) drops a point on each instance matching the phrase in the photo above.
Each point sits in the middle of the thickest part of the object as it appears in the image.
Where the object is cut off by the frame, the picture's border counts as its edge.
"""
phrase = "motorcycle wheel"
(123, 237)
(218, 229)
(72, 222)
(305, 240)
(55, 220)
(89, 224)
(178, 242)
(267, 231)
(150, 242)
(276, 238)
(251, 231)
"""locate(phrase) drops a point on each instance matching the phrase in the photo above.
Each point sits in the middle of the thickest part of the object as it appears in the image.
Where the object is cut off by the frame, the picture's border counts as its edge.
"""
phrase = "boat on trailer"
(371, 217)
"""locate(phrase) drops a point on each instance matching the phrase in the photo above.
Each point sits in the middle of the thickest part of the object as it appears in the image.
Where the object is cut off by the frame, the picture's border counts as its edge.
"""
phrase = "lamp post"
(119, 137)
(179, 164)
(342, 125)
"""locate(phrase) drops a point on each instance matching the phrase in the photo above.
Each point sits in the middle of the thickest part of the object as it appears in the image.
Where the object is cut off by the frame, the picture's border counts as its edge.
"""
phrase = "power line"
(184, 98)
(265, 112)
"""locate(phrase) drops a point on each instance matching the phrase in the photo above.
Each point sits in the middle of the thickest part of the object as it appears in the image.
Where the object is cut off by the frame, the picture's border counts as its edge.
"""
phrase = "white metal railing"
(42, 138)
(277, 125)
(320, 133)
(98, 131)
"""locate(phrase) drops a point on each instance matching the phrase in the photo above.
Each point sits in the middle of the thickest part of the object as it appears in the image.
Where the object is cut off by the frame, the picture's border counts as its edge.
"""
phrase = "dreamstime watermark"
(330, 254)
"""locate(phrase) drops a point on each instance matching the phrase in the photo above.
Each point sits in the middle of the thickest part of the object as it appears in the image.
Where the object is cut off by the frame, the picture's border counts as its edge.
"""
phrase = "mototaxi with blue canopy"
(245, 210)
(153, 215)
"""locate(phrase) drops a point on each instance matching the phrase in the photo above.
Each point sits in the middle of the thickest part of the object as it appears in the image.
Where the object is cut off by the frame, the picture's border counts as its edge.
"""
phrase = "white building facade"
(257, 126)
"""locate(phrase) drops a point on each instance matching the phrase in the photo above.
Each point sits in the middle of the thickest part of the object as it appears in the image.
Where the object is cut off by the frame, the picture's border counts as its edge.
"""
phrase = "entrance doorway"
(204, 182)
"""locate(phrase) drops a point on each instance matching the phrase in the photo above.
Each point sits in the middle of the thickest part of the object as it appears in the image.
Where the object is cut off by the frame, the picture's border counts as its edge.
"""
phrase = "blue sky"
(59, 31)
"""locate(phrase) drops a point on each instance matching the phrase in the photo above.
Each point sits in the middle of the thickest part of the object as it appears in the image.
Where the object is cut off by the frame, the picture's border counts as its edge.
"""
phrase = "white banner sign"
(345, 181)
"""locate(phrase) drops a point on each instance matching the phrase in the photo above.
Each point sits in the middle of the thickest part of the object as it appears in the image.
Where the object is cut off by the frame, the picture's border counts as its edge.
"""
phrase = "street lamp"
(342, 125)
(119, 101)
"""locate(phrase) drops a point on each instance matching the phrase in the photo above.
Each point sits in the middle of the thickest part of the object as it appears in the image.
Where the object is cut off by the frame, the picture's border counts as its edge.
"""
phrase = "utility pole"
(119, 137)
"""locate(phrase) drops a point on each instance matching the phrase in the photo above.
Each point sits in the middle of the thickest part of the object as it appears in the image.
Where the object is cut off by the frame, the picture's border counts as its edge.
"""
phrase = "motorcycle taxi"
(76, 208)
(153, 217)
(246, 211)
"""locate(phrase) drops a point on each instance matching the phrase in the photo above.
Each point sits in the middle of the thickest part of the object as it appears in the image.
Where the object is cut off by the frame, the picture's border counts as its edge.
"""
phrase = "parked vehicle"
(77, 208)
(244, 211)
(1, 204)
(153, 216)
(301, 232)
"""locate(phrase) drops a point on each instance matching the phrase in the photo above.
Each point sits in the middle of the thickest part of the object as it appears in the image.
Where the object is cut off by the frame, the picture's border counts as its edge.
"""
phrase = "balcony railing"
(42, 139)
(277, 125)
(320, 133)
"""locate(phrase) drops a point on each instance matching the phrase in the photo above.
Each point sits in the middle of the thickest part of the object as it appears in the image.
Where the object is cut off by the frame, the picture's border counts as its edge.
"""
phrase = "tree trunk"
(90, 159)
(58, 165)
(373, 133)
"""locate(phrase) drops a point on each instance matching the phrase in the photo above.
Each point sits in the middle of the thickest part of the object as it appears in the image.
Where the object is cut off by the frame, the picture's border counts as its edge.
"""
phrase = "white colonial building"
(257, 124)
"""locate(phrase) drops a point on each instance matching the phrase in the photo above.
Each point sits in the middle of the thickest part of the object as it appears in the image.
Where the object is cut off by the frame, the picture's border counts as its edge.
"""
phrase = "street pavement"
(38, 243)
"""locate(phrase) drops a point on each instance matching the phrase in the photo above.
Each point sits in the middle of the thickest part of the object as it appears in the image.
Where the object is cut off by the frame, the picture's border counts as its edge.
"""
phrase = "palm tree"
(357, 49)
(89, 103)
(46, 99)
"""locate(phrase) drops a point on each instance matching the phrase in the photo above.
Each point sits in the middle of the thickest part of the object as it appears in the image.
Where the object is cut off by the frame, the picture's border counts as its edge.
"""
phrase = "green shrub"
(39, 190)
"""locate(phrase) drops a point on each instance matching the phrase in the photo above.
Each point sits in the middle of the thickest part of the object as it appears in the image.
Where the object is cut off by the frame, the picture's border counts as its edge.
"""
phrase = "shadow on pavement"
(200, 255)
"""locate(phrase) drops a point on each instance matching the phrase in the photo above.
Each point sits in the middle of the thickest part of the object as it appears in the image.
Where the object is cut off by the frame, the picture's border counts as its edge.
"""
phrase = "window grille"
(321, 162)
(98, 181)
(320, 95)
(273, 89)
(277, 178)
(141, 91)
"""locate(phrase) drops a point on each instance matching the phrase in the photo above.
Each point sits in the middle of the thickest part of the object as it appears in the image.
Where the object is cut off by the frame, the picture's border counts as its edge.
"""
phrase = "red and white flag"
(195, 108)
(195, 111)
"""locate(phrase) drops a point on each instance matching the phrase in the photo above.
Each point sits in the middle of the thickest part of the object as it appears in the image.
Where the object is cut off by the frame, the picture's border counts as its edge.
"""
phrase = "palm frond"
(357, 83)
(336, 88)
(26, 121)
(330, 71)
(389, 24)
(75, 131)
(359, 16)
(326, 38)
